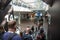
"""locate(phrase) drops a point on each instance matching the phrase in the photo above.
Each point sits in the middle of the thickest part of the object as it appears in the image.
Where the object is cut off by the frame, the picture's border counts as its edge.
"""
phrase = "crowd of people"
(26, 35)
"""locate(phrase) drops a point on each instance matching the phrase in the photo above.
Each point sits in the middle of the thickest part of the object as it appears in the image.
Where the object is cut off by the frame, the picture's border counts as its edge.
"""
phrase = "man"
(11, 35)
(27, 35)
(30, 31)
(32, 28)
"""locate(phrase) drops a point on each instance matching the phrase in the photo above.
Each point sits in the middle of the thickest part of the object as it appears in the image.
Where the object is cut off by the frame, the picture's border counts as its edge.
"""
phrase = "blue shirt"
(6, 35)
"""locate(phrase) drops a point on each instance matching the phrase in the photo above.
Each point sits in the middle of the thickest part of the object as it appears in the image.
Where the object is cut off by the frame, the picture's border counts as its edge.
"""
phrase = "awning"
(18, 8)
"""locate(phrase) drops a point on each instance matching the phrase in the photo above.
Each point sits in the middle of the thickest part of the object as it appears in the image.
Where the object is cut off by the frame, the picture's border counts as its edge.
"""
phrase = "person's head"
(42, 30)
(1, 28)
(28, 30)
(12, 25)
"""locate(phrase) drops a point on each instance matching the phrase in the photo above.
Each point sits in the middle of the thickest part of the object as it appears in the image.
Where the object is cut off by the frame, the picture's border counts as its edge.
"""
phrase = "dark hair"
(1, 27)
(28, 26)
(11, 24)
(42, 30)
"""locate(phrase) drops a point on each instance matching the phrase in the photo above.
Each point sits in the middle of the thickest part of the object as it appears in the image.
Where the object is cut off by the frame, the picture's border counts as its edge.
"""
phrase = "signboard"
(38, 13)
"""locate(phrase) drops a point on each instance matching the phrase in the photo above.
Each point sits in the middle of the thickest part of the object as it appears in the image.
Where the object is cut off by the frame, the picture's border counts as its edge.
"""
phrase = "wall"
(54, 28)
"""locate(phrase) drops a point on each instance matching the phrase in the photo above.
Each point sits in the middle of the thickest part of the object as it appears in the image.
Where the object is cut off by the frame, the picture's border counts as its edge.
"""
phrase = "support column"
(19, 22)
(19, 19)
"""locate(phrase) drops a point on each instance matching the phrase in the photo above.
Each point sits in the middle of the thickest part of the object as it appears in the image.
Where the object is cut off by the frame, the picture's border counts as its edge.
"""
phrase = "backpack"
(11, 36)
(1, 35)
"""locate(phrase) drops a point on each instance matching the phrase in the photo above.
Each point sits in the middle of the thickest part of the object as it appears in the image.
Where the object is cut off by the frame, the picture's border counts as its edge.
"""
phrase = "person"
(32, 28)
(27, 36)
(46, 16)
(11, 35)
(41, 35)
(21, 35)
(39, 26)
(1, 32)
(30, 32)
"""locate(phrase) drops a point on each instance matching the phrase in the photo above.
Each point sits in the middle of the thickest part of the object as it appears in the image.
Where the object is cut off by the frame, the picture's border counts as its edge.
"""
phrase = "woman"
(41, 35)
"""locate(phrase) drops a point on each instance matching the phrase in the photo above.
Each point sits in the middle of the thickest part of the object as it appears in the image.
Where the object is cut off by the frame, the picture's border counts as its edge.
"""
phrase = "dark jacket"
(27, 37)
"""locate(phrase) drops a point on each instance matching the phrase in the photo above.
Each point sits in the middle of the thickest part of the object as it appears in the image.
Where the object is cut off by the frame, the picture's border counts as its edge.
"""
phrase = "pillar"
(19, 19)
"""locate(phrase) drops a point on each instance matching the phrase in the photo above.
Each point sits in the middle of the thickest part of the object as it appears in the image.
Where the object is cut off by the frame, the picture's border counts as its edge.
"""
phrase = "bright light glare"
(17, 8)
(29, 1)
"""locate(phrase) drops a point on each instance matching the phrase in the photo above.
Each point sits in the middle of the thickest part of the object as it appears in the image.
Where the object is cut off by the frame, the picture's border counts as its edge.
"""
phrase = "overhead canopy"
(18, 8)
